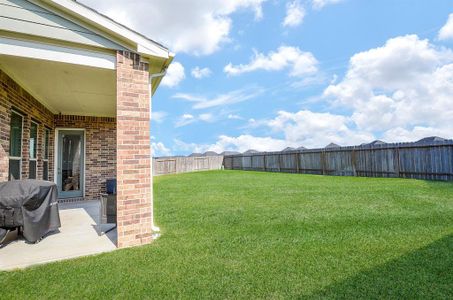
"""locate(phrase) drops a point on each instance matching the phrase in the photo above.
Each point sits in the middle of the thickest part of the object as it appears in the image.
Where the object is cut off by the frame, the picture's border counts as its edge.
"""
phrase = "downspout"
(154, 228)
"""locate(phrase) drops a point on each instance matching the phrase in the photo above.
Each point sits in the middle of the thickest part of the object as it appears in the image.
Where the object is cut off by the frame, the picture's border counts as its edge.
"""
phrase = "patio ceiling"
(65, 88)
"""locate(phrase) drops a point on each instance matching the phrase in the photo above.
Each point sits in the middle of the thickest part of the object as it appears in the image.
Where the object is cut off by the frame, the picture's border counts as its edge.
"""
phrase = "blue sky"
(271, 74)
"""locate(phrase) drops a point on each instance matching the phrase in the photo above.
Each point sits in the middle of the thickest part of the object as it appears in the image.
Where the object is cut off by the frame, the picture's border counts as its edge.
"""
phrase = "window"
(33, 145)
(15, 146)
(45, 172)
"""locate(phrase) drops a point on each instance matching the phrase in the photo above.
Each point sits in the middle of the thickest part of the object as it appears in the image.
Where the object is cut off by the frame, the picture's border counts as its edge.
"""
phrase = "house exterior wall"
(100, 150)
(134, 178)
(14, 97)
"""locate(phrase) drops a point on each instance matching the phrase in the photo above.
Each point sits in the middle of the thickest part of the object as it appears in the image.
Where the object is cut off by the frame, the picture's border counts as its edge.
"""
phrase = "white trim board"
(55, 53)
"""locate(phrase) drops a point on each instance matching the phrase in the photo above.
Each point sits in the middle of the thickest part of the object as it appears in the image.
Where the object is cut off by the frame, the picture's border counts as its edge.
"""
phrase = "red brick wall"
(100, 149)
(134, 197)
(100, 157)
(13, 96)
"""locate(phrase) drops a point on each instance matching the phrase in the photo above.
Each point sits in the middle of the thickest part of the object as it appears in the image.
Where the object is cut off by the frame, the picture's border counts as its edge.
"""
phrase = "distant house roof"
(229, 153)
(195, 154)
(251, 151)
(431, 139)
(210, 153)
(374, 143)
(287, 149)
(301, 148)
(333, 145)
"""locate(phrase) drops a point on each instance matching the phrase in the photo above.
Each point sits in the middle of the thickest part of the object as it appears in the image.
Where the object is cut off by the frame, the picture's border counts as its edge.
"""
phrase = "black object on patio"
(31, 205)
(107, 211)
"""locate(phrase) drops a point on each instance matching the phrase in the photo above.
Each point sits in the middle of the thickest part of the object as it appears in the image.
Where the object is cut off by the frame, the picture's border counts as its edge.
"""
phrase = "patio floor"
(78, 236)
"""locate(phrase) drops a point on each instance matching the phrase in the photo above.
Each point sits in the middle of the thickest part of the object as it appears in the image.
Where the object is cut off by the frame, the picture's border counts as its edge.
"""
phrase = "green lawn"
(233, 234)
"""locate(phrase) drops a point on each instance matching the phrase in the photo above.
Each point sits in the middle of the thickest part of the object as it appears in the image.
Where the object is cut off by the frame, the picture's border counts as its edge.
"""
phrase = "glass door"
(70, 163)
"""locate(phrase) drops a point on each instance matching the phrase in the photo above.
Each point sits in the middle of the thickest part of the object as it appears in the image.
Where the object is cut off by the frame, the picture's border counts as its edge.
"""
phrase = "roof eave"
(144, 46)
(156, 81)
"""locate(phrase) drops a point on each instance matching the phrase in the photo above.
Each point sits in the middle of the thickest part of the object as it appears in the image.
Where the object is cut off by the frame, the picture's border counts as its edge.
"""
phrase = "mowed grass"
(248, 235)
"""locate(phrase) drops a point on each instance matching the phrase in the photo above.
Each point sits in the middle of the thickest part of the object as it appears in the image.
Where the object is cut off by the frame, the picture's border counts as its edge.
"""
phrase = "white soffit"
(65, 88)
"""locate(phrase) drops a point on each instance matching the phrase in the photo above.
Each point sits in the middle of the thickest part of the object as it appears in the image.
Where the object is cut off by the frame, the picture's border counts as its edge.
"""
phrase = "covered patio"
(79, 235)
(75, 109)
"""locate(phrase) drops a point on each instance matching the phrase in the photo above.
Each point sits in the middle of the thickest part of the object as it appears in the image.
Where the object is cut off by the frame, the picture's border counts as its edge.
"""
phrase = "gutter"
(154, 228)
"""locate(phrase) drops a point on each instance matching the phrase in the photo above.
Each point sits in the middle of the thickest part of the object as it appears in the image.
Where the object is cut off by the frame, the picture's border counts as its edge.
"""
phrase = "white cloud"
(416, 133)
(159, 149)
(234, 117)
(200, 73)
(316, 79)
(399, 89)
(314, 129)
(319, 4)
(185, 120)
(446, 32)
(159, 116)
(189, 147)
(241, 143)
(208, 117)
(198, 26)
(189, 97)
(303, 128)
(175, 74)
(299, 63)
(295, 14)
(233, 97)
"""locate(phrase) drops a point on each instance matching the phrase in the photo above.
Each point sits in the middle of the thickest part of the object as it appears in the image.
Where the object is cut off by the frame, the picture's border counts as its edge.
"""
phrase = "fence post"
(297, 163)
(265, 162)
(397, 154)
(323, 162)
(353, 161)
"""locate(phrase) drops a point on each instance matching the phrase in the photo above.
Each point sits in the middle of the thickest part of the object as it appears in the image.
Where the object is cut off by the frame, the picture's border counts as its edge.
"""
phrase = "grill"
(30, 207)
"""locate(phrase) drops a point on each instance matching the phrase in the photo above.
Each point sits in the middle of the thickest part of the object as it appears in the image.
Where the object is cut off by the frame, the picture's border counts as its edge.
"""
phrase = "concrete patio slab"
(78, 236)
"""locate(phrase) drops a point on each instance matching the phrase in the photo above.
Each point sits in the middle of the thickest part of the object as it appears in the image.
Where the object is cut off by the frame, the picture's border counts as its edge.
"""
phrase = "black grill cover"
(32, 204)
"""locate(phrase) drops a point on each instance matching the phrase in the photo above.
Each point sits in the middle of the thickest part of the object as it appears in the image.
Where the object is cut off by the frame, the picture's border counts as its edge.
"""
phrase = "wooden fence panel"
(258, 163)
(407, 160)
(167, 166)
(237, 163)
(247, 163)
(376, 162)
(201, 163)
(310, 162)
(174, 165)
(338, 163)
(273, 162)
(288, 162)
(228, 162)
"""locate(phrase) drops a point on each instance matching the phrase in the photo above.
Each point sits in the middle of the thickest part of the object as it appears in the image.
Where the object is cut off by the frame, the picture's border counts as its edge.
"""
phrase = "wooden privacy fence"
(407, 160)
(174, 165)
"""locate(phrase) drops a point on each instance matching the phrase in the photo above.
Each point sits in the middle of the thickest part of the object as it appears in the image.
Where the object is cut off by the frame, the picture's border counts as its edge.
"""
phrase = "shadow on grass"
(426, 273)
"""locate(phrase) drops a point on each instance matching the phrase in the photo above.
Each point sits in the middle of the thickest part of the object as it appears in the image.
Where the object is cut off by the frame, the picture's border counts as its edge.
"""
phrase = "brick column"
(134, 195)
